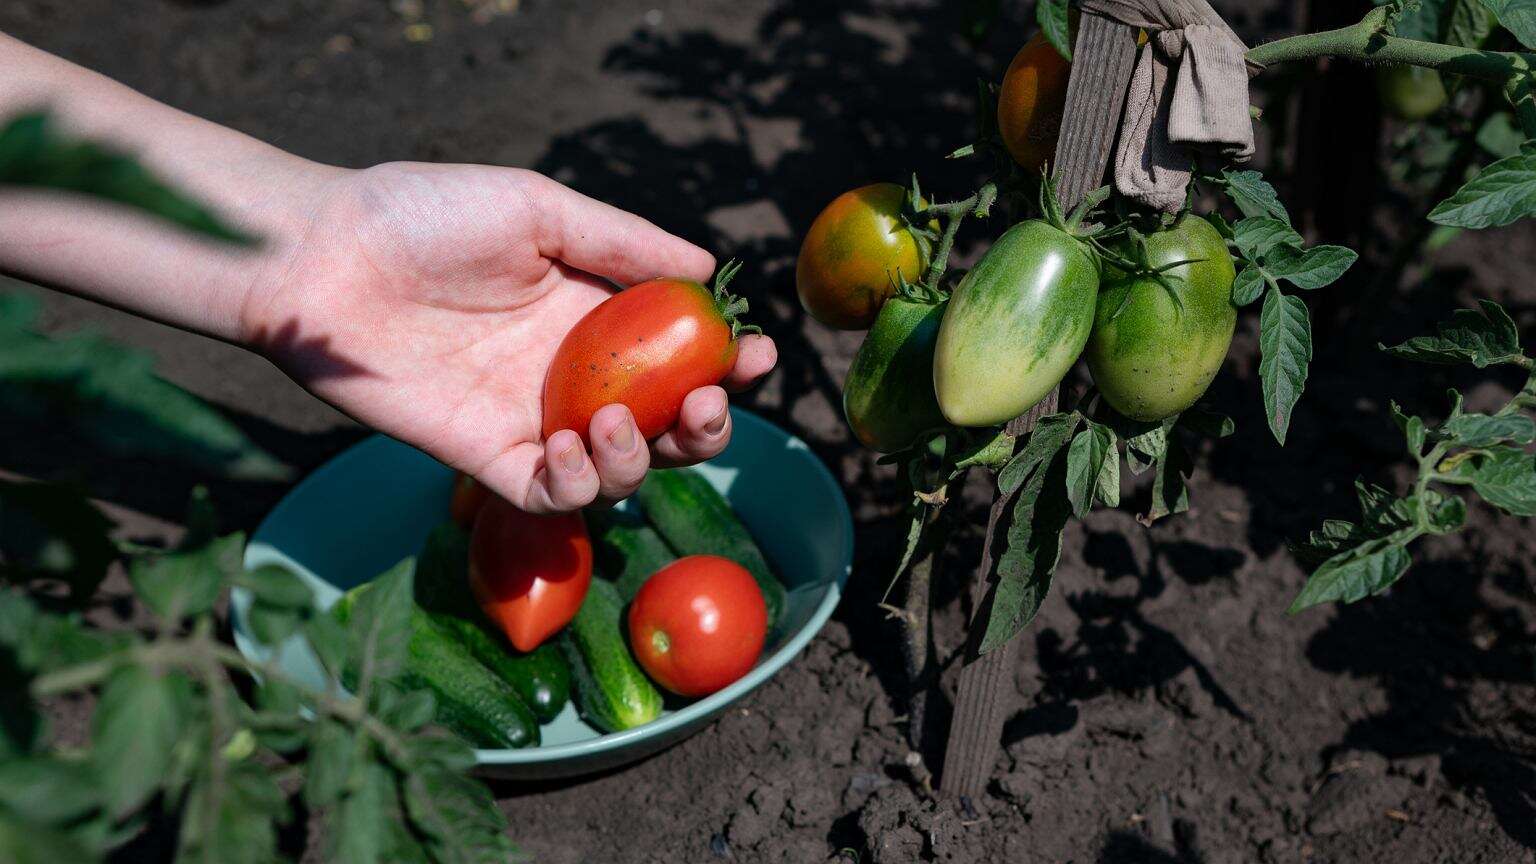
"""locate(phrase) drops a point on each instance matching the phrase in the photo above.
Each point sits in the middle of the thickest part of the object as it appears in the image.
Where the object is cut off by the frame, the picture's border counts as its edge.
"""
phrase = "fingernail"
(572, 459)
(623, 437)
(716, 425)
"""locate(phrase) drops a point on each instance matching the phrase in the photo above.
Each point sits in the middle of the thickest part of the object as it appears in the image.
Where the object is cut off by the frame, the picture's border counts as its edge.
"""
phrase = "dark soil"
(1166, 710)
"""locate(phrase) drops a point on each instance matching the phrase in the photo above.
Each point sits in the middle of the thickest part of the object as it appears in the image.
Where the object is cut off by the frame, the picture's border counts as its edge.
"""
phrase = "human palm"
(427, 301)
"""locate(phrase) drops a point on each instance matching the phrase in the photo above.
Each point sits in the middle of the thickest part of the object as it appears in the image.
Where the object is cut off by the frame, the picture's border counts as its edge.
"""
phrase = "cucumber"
(626, 550)
(611, 691)
(696, 520)
(472, 701)
(541, 677)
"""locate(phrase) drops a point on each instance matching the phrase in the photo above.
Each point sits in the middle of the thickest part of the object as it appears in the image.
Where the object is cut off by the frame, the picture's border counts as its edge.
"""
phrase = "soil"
(1165, 709)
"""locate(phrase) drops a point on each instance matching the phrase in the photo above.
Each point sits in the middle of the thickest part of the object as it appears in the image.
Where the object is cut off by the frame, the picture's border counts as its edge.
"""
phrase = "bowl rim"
(258, 552)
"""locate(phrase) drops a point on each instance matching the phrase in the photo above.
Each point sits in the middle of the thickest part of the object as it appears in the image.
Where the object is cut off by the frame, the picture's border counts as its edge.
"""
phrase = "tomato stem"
(731, 306)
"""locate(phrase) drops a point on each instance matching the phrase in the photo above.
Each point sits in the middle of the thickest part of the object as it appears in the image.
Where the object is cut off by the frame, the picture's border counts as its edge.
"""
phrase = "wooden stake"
(1101, 72)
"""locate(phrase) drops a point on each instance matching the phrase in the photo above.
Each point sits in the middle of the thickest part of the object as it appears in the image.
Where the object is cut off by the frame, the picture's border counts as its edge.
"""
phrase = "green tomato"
(1410, 92)
(1152, 355)
(888, 396)
(1015, 325)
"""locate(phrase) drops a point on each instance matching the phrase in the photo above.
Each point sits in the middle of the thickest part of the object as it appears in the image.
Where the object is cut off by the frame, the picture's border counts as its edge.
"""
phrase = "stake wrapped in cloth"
(1203, 115)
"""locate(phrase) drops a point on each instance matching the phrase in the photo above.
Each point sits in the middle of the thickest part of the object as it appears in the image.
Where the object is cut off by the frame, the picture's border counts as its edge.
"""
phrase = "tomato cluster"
(1151, 312)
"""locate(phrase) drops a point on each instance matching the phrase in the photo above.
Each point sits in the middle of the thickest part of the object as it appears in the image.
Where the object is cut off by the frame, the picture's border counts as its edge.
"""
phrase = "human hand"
(427, 301)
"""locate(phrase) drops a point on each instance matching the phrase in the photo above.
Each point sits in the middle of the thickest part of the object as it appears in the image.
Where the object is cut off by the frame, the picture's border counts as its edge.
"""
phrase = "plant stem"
(916, 621)
(1364, 41)
(954, 213)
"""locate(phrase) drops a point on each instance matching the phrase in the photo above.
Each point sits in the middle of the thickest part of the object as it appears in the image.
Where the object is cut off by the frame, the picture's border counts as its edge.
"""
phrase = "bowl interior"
(374, 504)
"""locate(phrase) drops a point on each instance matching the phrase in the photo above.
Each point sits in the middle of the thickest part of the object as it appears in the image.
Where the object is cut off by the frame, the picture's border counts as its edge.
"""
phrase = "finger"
(618, 452)
(556, 477)
(604, 240)
(755, 357)
(702, 431)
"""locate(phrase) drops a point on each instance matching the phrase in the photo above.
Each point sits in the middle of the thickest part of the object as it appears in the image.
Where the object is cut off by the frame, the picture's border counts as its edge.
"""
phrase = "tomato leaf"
(1170, 492)
(1108, 482)
(1257, 235)
(1482, 430)
(1499, 136)
(361, 826)
(185, 583)
(1203, 421)
(240, 811)
(137, 723)
(1253, 195)
(1414, 431)
(1024, 571)
(1467, 24)
(1356, 573)
(1449, 515)
(459, 818)
(379, 626)
(1311, 268)
(1085, 462)
(1485, 339)
(331, 749)
(1518, 17)
(1419, 20)
(1506, 478)
(1285, 343)
(1052, 18)
(1146, 447)
(1500, 194)
(1050, 434)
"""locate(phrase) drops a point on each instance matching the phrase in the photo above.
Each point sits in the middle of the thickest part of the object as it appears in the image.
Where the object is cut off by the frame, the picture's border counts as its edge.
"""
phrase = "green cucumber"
(625, 549)
(541, 677)
(472, 701)
(611, 690)
(696, 520)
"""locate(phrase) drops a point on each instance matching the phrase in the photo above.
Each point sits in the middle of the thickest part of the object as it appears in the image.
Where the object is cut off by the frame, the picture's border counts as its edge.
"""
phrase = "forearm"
(125, 259)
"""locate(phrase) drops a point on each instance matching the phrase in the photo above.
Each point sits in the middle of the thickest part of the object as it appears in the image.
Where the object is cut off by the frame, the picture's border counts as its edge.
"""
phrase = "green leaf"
(241, 811)
(1485, 339)
(1203, 421)
(1085, 462)
(1052, 18)
(1040, 514)
(1500, 194)
(1448, 515)
(1145, 444)
(1285, 343)
(1414, 431)
(1050, 434)
(137, 722)
(1170, 494)
(273, 624)
(329, 639)
(27, 843)
(52, 532)
(1256, 236)
(1482, 430)
(31, 154)
(1312, 268)
(1518, 17)
(1253, 195)
(48, 790)
(1419, 20)
(362, 820)
(379, 626)
(1107, 486)
(434, 748)
(331, 751)
(1355, 573)
(1500, 136)
(1468, 24)
(186, 582)
(277, 586)
(459, 818)
(1248, 286)
(412, 711)
(1506, 478)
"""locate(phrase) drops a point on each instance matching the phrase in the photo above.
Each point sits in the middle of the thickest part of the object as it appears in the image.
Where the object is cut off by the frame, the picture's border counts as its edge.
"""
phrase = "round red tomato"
(468, 497)
(529, 573)
(1030, 105)
(645, 347)
(849, 259)
(698, 624)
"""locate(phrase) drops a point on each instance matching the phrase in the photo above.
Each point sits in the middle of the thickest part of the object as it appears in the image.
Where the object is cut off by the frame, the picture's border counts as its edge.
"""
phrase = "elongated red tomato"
(468, 497)
(1031, 102)
(529, 573)
(698, 624)
(645, 347)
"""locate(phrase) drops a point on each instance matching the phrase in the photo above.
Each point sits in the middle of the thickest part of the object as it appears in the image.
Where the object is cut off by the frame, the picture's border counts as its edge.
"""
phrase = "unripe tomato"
(849, 259)
(646, 347)
(888, 396)
(1410, 92)
(529, 573)
(698, 624)
(1031, 102)
(468, 497)
(1158, 355)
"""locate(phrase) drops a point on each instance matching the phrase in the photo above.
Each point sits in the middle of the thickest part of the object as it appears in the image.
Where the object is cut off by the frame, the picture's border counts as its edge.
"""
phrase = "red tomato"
(1030, 105)
(850, 256)
(698, 624)
(468, 497)
(645, 347)
(529, 573)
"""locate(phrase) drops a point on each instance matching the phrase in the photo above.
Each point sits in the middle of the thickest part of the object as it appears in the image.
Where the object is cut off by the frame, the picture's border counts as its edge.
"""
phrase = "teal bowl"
(361, 512)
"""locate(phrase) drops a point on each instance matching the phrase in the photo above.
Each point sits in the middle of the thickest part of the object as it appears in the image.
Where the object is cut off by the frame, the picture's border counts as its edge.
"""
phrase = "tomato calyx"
(731, 306)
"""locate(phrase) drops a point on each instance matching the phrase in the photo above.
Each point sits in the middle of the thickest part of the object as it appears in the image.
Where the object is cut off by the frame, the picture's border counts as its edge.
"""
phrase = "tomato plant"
(1159, 339)
(854, 253)
(646, 347)
(529, 572)
(698, 624)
